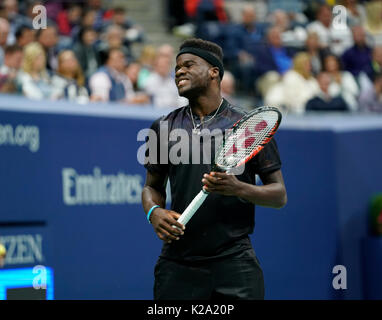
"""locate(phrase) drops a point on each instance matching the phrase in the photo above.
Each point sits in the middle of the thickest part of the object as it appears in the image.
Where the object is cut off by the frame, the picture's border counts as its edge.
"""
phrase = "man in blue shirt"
(241, 43)
(358, 57)
(273, 56)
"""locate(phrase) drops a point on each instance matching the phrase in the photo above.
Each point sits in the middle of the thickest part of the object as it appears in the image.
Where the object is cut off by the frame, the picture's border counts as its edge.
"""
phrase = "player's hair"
(212, 47)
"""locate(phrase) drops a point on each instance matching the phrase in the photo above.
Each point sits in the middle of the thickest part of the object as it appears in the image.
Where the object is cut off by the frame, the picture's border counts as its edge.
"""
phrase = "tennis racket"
(242, 142)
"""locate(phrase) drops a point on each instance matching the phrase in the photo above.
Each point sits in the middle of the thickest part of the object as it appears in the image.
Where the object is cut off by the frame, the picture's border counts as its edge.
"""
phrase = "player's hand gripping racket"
(242, 142)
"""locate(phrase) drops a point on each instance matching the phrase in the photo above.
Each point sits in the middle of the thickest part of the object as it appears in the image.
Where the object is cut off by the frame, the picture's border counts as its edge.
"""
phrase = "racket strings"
(242, 141)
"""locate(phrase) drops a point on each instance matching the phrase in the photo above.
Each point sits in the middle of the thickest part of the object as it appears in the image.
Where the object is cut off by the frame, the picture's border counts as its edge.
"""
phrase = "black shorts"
(235, 277)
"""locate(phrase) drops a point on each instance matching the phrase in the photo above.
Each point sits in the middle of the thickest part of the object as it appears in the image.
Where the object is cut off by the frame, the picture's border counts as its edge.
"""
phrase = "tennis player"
(211, 258)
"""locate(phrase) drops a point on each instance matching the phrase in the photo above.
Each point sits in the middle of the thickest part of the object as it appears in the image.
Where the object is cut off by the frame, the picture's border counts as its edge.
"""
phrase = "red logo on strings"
(261, 126)
(248, 137)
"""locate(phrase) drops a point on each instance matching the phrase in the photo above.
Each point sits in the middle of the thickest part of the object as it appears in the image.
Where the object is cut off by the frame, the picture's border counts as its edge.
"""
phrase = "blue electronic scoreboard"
(27, 284)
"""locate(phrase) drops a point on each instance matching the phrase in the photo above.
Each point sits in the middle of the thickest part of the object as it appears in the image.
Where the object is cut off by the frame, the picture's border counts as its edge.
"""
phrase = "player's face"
(191, 75)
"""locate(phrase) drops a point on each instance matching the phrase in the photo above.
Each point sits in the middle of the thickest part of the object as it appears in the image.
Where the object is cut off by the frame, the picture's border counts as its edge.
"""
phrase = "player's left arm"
(271, 194)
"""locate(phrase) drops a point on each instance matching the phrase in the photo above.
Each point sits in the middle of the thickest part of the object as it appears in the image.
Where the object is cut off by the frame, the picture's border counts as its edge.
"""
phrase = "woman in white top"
(33, 80)
(343, 82)
(296, 87)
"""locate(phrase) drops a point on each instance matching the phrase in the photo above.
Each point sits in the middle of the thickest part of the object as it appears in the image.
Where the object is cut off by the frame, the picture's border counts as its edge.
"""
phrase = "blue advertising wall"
(70, 188)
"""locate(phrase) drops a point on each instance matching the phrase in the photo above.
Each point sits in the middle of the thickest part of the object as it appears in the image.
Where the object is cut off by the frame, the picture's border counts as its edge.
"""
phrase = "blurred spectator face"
(312, 42)
(281, 19)
(331, 64)
(359, 35)
(132, 71)
(377, 55)
(274, 37)
(4, 30)
(116, 60)
(89, 18)
(301, 64)
(89, 37)
(166, 50)
(48, 37)
(13, 60)
(11, 7)
(324, 81)
(27, 36)
(324, 15)
(67, 63)
(248, 15)
(69, 67)
(119, 17)
(227, 85)
(34, 58)
(96, 4)
(147, 56)
(39, 63)
(163, 66)
(114, 37)
(74, 13)
(307, 66)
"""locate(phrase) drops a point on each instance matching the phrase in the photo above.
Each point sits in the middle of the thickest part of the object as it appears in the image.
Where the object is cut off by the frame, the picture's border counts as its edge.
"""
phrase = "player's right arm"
(154, 193)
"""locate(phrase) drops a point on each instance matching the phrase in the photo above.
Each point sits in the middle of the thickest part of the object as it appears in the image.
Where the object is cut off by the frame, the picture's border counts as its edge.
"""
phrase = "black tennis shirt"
(222, 224)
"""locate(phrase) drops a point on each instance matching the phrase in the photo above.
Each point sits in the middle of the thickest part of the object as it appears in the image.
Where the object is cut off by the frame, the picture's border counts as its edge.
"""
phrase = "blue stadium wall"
(101, 246)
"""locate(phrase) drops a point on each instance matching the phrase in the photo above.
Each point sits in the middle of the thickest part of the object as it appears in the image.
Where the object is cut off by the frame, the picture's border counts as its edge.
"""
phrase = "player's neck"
(204, 105)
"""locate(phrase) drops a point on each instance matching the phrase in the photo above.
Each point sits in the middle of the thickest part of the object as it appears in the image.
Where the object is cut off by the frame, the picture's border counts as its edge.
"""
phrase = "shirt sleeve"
(100, 85)
(268, 159)
(29, 88)
(154, 145)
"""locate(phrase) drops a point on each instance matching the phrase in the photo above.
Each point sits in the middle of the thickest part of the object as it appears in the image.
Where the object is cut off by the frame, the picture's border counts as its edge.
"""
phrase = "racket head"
(247, 138)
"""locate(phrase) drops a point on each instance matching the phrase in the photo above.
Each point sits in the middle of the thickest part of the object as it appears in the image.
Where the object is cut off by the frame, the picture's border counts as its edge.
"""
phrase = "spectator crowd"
(299, 55)
(83, 55)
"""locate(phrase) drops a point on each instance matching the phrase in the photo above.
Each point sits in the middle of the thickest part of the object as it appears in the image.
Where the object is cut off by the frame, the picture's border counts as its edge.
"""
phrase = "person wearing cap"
(211, 258)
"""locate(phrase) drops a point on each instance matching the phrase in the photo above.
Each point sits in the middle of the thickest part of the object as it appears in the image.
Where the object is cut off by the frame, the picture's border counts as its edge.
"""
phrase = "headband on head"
(206, 55)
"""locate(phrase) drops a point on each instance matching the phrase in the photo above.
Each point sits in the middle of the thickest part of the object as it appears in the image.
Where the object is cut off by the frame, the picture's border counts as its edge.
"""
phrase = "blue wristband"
(150, 212)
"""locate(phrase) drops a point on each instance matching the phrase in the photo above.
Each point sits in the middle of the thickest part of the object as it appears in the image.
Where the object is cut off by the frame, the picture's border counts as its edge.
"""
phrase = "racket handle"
(192, 207)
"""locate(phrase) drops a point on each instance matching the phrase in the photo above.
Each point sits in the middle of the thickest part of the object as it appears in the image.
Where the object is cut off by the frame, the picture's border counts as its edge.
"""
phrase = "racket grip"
(192, 207)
